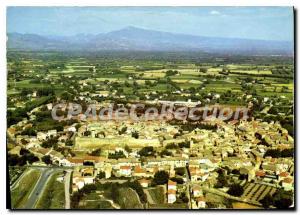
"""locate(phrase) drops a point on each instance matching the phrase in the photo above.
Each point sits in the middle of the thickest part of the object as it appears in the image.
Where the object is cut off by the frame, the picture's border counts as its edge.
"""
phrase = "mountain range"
(138, 39)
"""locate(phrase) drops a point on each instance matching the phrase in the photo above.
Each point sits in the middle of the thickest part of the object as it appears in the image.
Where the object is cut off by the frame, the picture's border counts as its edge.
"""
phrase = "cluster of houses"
(234, 146)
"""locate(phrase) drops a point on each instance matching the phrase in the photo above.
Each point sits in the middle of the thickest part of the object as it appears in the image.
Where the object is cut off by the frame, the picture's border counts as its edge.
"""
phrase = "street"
(38, 188)
(67, 180)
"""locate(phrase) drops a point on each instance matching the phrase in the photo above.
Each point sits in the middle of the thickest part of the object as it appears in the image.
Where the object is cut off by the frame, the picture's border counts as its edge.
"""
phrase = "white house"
(197, 191)
(125, 171)
(52, 133)
(41, 136)
(201, 202)
(171, 196)
(144, 182)
(172, 185)
(287, 184)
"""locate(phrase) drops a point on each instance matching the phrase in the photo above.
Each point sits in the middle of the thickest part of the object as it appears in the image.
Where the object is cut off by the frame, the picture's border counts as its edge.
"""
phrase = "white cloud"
(215, 12)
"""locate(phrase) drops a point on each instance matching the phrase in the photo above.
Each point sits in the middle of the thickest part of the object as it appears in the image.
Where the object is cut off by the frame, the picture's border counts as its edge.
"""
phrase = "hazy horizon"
(257, 23)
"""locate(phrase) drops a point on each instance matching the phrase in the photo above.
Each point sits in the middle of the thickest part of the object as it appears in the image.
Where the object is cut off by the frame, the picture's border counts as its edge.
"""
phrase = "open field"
(129, 199)
(157, 195)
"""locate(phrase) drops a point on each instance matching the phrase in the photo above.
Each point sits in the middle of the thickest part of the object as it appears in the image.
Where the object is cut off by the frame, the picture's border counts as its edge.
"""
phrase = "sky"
(266, 23)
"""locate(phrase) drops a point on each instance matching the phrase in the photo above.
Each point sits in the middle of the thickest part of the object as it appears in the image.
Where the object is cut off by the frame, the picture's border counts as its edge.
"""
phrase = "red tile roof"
(200, 199)
(284, 174)
(172, 182)
(260, 173)
(75, 160)
(171, 191)
(288, 180)
(125, 167)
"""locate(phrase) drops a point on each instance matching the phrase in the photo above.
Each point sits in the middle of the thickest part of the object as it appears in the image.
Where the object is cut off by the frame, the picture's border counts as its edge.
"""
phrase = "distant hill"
(137, 39)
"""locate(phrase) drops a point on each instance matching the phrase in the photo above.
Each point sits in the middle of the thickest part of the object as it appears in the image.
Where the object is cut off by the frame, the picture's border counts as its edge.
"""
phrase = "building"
(144, 182)
(172, 185)
(171, 196)
(125, 171)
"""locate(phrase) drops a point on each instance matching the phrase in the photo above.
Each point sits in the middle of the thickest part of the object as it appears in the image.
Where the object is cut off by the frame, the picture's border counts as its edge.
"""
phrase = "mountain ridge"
(139, 39)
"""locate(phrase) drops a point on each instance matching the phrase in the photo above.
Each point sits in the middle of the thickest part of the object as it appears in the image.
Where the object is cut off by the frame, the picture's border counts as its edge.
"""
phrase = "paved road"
(67, 189)
(38, 188)
(188, 186)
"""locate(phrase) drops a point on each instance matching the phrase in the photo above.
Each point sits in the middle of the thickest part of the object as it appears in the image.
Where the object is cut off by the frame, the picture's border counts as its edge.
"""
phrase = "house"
(78, 183)
(171, 196)
(88, 175)
(125, 171)
(107, 171)
(260, 174)
(11, 131)
(288, 184)
(41, 136)
(82, 176)
(283, 175)
(75, 161)
(70, 128)
(139, 172)
(172, 185)
(197, 191)
(52, 133)
(144, 182)
(49, 106)
(201, 203)
(77, 180)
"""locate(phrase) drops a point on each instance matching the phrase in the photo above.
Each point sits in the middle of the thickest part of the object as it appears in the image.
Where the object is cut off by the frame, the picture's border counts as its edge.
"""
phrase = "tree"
(96, 152)
(172, 146)
(24, 151)
(178, 180)
(283, 199)
(160, 177)
(12, 160)
(184, 144)
(236, 190)
(139, 189)
(88, 188)
(180, 171)
(29, 132)
(47, 159)
(116, 155)
(165, 153)
(52, 142)
(221, 180)
(267, 201)
(101, 174)
(203, 70)
(135, 134)
(87, 133)
(127, 149)
(147, 151)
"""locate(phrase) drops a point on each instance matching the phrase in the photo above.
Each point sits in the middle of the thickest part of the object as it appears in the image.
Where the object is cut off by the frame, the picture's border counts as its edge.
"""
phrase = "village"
(245, 161)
